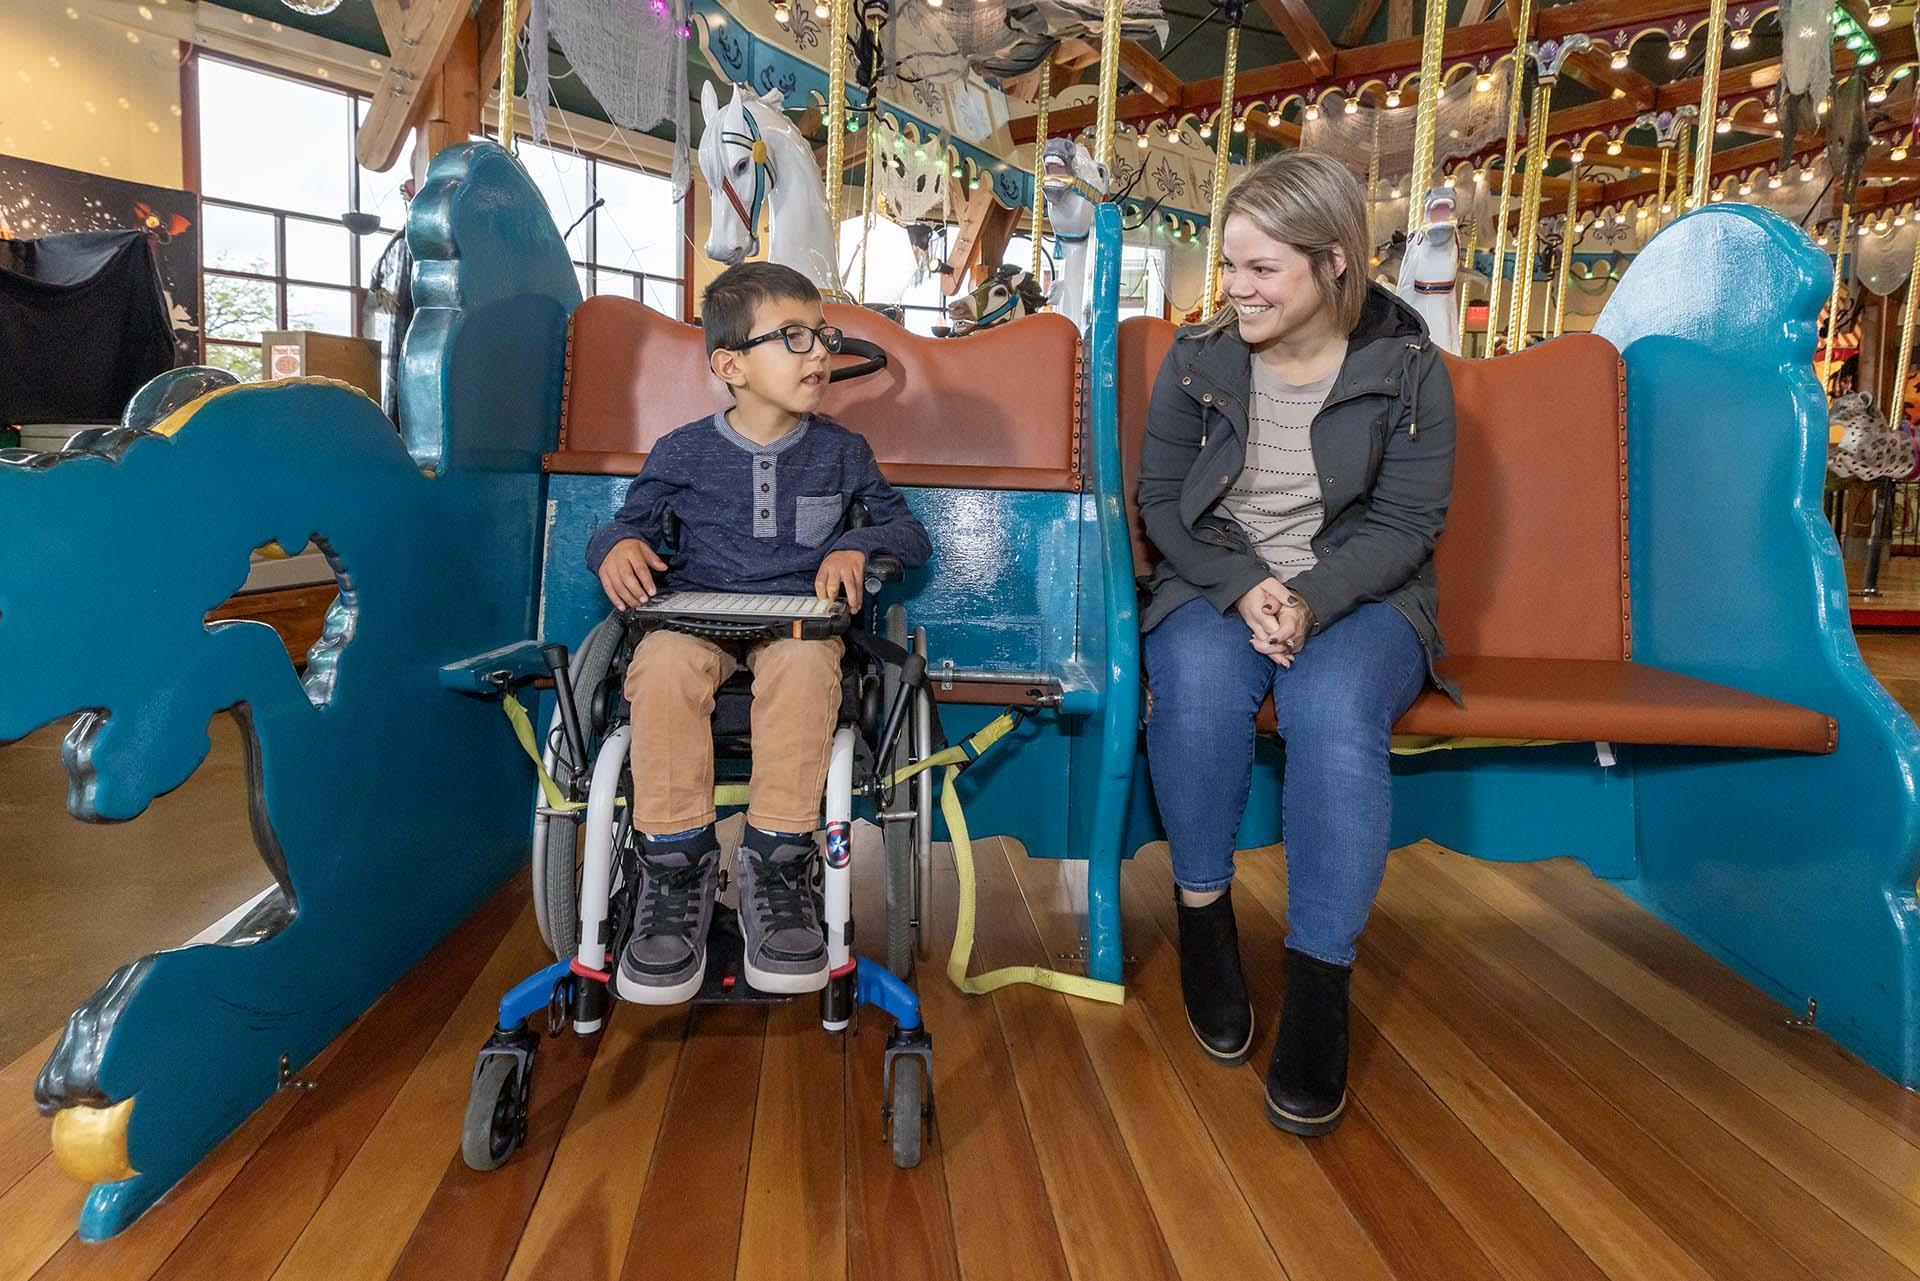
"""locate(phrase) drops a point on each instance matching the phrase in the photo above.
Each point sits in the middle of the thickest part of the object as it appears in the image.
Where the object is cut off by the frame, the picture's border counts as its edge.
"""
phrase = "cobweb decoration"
(1806, 47)
(1001, 39)
(312, 8)
(632, 59)
(1468, 123)
(911, 177)
(1883, 262)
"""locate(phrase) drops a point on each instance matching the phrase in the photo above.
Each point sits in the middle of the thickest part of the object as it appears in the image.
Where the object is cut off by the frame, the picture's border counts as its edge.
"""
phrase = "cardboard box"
(302, 353)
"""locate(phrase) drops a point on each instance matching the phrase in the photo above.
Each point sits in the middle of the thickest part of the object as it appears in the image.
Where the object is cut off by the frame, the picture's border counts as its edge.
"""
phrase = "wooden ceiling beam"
(1357, 26)
(1149, 72)
(1303, 33)
(424, 34)
(1399, 19)
(1594, 70)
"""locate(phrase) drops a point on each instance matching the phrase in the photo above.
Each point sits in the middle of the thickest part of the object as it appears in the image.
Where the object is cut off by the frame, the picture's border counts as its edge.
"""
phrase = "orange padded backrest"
(1533, 560)
(995, 410)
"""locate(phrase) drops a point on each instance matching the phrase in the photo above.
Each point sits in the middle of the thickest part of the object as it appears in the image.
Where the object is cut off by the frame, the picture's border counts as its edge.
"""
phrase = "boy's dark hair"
(726, 309)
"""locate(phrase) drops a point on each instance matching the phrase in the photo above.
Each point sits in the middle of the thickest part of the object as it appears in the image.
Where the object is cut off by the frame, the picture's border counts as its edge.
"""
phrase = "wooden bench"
(1535, 602)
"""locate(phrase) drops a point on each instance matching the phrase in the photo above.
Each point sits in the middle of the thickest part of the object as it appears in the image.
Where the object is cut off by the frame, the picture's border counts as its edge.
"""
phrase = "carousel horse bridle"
(1079, 187)
(993, 317)
(763, 178)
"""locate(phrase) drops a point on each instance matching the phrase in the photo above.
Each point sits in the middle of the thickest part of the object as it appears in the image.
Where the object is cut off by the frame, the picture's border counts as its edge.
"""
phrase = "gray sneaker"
(786, 948)
(666, 957)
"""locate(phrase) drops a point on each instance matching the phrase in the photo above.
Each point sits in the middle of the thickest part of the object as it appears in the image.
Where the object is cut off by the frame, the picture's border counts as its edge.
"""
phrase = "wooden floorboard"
(1546, 1082)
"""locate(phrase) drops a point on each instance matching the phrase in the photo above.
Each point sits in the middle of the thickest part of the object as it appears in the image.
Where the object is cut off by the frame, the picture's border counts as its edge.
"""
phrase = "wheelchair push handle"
(556, 656)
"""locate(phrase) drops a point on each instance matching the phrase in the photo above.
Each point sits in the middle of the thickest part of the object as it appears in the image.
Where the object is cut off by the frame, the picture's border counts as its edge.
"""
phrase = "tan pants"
(671, 684)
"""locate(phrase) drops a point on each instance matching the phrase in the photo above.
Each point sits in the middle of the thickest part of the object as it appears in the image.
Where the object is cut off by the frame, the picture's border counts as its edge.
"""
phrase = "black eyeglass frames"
(799, 339)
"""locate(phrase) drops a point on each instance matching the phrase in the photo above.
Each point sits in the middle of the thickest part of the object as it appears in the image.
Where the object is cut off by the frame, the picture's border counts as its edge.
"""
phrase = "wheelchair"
(585, 863)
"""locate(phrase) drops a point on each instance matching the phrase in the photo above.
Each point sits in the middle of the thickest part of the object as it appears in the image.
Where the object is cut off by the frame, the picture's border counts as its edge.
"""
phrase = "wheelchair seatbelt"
(523, 731)
(955, 759)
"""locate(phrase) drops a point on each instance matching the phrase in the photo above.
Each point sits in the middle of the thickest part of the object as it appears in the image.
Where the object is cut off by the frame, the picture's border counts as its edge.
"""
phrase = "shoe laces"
(783, 891)
(671, 904)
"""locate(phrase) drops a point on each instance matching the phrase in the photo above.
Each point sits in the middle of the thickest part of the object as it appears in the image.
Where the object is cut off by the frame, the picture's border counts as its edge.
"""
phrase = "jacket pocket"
(816, 517)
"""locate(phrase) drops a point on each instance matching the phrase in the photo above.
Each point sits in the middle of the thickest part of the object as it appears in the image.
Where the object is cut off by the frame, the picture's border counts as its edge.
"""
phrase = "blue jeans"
(1336, 707)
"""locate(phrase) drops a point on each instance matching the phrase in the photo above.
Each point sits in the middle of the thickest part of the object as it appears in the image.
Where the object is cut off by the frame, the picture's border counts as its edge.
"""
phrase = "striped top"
(1276, 498)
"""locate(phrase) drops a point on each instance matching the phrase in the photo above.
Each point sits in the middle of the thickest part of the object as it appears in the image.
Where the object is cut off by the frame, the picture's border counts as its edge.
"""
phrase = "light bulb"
(1826, 105)
(1447, 182)
(1578, 156)
(1879, 16)
(1773, 182)
(1613, 147)
(1900, 220)
(782, 14)
(1619, 60)
(1741, 39)
(1620, 219)
(1393, 97)
(1880, 227)
(1863, 230)
(1141, 142)
(1313, 111)
(1821, 240)
(1676, 50)
(973, 184)
(1206, 131)
(919, 153)
(1479, 177)
(1877, 94)
(1806, 175)
(1723, 125)
(821, 11)
(1746, 189)
(1240, 126)
(1770, 117)
(1898, 154)
(1666, 207)
(1482, 82)
(934, 4)
(1352, 107)
(1273, 119)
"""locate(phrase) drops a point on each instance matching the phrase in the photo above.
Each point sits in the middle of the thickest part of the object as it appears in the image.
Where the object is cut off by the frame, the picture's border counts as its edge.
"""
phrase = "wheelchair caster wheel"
(496, 1121)
(906, 1105)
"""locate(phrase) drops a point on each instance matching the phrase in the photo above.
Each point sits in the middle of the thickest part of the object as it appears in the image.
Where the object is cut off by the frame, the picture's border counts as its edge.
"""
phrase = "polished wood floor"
(1547, 1083)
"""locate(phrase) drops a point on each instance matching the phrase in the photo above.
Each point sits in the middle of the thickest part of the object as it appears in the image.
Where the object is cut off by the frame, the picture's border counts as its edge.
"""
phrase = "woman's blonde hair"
(1310, 202)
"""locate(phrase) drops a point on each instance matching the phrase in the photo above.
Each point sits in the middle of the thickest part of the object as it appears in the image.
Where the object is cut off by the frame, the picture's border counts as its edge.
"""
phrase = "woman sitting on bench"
(1295, 474)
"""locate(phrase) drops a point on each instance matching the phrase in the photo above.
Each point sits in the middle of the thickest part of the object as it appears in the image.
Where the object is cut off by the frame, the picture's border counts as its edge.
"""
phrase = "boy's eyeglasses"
(799, 339)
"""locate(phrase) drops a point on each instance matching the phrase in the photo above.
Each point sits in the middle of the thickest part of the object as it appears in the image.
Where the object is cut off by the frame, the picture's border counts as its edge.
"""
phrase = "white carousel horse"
(1427, 271)
(753, 157)
(1073, 183)
(1008, 294)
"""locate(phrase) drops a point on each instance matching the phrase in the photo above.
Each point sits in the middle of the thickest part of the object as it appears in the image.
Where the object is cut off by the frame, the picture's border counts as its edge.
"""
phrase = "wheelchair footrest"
(726, 979)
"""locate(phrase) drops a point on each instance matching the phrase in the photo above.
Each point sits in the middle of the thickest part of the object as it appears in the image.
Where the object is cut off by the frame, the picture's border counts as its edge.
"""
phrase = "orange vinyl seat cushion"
(995, 410)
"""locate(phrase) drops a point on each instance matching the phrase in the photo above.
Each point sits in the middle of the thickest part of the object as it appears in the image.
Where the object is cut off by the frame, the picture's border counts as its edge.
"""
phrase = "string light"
(1613, 146)
(1742, 37)
(1676, 50)
(1879, 16)
(1619, 60)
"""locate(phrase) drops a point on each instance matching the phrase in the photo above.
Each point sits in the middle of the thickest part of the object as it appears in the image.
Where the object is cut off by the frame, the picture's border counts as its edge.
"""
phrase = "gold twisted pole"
(866, 169)
(1373, 184)
(1529, 232)
(1039, 161)
(1682, 189)
(1709, 102)
(507, 43)
(1225, 125)
(1517, 69)
(1110, 38)
(1427, 116)
(1897, 398)
(1566, 250)
(836, 120)
(1660, 192)
(1839, 258)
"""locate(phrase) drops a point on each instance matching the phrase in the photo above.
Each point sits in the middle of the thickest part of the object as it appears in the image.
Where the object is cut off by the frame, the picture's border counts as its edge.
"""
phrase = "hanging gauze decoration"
(1467, 124)
(1005, 38)
(1883, 262)
(910, 176)
(313, 8)
(633, 63)
(1806, 67)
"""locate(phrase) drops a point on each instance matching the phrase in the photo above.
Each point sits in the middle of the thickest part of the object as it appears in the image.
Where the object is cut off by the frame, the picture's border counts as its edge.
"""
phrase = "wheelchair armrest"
(883, 567)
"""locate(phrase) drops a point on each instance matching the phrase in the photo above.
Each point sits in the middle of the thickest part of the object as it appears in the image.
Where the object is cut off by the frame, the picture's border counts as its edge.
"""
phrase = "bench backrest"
(1533, 560)
(995, 410)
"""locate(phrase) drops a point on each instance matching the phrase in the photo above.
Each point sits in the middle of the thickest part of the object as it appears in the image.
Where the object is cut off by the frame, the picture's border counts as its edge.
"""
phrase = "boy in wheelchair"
(761, 495)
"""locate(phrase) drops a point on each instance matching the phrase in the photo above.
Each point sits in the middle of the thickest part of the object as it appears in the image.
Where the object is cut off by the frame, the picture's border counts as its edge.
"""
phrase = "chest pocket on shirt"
(816, 518)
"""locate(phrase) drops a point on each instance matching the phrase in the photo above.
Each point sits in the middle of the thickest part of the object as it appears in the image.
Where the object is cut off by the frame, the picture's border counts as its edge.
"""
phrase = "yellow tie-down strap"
(953, 759)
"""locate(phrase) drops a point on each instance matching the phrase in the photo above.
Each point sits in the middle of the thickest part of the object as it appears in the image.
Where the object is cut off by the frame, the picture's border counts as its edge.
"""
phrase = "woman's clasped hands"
(1278, 619)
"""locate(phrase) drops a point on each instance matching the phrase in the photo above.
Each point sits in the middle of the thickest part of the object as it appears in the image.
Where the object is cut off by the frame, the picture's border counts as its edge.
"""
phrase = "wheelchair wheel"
(496, 1120)
(556, 841)
(906, 1104)
(901, 835)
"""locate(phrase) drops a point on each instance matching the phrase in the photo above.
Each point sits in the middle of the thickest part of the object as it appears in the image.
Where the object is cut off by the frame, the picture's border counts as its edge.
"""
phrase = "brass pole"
(1224, 124)
(1427, 116)
(1517, 69)
(1566, 250)
(1709, 101)
(1529, 230)
(1039, 165)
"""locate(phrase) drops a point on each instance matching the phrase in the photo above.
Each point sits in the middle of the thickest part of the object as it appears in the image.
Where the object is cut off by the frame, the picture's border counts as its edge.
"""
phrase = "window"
(894, 274)
(278, 174)
(631, 245)
(1143, 273)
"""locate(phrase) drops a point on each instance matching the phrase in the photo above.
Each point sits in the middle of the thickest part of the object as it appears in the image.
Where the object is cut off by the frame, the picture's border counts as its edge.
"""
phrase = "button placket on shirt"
(766, 523)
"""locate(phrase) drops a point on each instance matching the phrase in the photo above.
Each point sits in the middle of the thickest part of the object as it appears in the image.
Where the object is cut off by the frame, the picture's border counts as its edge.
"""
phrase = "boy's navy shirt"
(761, 518)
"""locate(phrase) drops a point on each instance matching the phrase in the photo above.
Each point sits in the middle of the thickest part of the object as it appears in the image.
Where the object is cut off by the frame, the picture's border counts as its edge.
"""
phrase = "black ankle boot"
(1307, 1079)
(1217, 1007)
